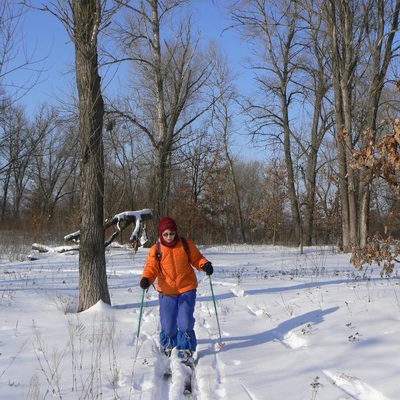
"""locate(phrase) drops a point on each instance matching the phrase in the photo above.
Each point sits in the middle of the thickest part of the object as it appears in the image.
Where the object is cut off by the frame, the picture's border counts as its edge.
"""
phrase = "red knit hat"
(166, 223)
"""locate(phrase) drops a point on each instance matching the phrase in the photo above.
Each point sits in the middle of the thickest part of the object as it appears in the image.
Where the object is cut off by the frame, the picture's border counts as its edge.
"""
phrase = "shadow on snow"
(240, 342)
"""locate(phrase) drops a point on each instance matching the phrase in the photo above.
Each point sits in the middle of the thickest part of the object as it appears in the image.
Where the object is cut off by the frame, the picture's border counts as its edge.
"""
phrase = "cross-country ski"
(190, 373)
(188, 384)
(167, 373)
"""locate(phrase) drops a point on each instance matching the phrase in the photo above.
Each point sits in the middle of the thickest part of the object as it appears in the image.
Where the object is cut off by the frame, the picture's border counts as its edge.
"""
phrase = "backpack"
(158, 250)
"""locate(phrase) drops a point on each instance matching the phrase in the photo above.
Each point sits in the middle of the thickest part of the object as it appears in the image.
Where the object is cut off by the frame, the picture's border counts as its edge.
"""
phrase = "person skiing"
(170, 261)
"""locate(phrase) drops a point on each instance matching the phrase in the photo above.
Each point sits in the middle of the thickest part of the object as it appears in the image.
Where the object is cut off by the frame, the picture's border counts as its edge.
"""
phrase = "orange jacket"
(174, 271)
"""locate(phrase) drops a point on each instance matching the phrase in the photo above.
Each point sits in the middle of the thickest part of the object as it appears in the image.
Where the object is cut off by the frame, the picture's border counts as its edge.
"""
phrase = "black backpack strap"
(159, 255)
(185, 244)
(158, 251)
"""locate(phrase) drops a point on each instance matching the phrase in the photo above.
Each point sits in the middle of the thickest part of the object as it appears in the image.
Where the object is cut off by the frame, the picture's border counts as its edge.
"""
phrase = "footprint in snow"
(238, 292)
(256, 311)
(290, 339)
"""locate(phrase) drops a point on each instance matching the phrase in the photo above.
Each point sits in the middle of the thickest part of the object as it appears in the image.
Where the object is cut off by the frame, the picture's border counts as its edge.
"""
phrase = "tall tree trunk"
(342, 71)
(381, 57)
(317, 134)
(350, 173)
(294, 203)
(162, 177)
(163, 152)
(235, 187)
(310, 197)
(365, 200)
(5, 193)
(92, 266)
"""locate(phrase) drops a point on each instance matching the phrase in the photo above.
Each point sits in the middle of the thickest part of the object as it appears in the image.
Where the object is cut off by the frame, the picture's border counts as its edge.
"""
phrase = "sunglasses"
(166, 234)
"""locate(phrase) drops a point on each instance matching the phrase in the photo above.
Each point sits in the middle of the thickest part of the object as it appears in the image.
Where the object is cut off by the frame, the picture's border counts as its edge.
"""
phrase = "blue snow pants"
(177, 320)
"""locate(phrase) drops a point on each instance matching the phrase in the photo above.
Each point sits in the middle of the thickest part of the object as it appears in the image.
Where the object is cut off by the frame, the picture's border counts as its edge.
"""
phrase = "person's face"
(168, 235)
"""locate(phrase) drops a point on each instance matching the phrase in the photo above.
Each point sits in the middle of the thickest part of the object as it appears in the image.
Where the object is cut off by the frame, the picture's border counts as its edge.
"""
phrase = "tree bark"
(92, 266)
(381, 57)
(343, 62)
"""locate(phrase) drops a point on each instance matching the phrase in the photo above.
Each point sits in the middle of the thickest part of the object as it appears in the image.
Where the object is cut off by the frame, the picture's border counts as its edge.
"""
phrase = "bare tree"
(83, 20)
(361, 42)
(271, 27)
(222, 122)
(87, 17)
(55, 162)
(382, 48)
(327, 225)
(127, 168)
(383, 160)
(270, 217)
(249, 176)
(196, 175)
(15, 143)
(16, 154)
(316, 84)
(170, 74)
(15, 55)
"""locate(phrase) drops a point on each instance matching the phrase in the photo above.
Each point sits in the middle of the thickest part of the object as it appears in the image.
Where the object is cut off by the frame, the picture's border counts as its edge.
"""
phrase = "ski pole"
(139, 323)
(136, 345)
(140, 314)
(219, 344)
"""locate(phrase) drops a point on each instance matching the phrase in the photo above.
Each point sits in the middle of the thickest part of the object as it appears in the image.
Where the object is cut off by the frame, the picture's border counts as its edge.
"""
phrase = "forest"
(323, 110)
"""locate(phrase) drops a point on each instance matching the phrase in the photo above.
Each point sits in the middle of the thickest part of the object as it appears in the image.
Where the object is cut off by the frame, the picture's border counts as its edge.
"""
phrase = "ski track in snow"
(148, 380)
(208, 380)
(250, 396)
(354, 386)
(288, 336)
(207, 383)
(177, 380)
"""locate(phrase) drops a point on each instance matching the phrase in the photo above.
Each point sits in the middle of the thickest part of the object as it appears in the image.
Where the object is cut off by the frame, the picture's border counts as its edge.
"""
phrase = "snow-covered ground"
(293, 326)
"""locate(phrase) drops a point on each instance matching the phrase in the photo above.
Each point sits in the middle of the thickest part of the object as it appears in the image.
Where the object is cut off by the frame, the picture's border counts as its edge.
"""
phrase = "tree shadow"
(240, 342)
(300, 286)
(229, 294)
(147, 303)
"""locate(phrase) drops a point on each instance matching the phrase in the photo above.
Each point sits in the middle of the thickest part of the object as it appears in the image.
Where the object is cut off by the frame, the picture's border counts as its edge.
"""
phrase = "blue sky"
(47, 40)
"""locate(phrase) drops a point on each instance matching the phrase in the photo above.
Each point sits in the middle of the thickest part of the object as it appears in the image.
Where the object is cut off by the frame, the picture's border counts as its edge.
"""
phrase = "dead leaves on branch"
(383, 252)
(382, 159)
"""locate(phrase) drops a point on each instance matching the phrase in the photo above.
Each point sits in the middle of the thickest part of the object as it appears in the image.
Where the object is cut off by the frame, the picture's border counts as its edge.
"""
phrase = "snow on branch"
(121, 221)
(41, 248)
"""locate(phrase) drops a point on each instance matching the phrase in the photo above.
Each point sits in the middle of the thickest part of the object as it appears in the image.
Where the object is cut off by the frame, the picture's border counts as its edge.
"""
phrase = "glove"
(144, 283)
(208, 268)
